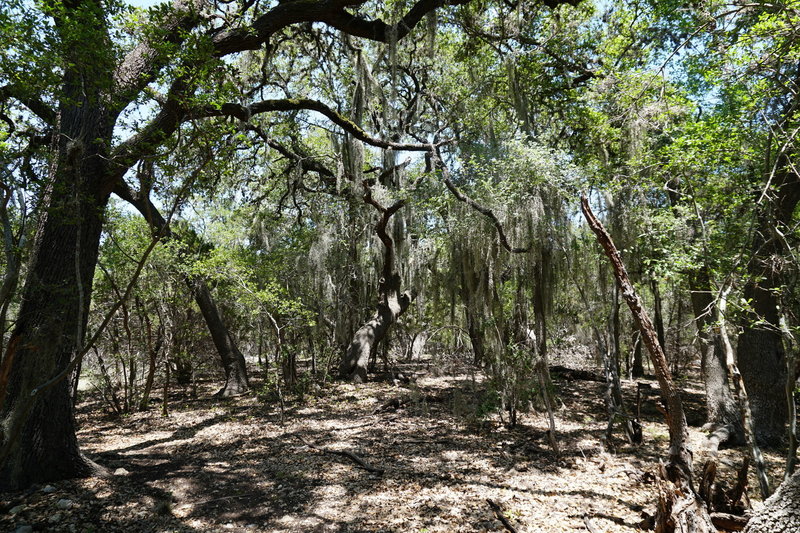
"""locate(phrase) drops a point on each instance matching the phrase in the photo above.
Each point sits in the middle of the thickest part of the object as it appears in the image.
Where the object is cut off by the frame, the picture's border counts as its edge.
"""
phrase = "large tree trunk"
(781, 511)
(37, 432)
(760, 351)
(762, 363)
(391, 305)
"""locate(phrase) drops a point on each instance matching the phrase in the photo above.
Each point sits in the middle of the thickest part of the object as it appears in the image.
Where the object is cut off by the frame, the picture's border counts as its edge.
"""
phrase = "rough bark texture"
(680, 509)
(391, 302)
(781, 511)
(760, 350)
(37, 433)
(723, 418)
(391, 305)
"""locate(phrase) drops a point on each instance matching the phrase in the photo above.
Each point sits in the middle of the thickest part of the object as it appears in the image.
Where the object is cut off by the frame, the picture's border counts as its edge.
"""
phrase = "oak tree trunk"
(391, 302)
(781, 511)
(722, 412)
(760, 350)
(37, 432)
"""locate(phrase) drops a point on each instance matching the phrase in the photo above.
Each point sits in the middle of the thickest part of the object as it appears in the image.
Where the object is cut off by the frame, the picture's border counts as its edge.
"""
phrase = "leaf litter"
(435, 465)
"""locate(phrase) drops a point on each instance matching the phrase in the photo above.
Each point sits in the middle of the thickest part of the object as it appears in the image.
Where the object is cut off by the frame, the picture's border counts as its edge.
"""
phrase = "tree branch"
(140, 66)
(34, 104)
(485, 211)
(244, 113)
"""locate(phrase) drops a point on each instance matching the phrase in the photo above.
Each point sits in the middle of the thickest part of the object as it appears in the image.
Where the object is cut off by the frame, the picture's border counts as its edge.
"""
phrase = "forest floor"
(244, 464)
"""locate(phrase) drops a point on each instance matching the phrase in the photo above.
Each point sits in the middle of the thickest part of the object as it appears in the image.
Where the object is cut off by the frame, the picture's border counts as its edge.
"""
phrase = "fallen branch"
(401, 401)
(729, 522)
(498, 512)
(344, 453)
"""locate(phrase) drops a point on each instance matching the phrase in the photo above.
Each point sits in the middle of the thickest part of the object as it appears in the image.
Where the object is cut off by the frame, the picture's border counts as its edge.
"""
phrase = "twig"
(498, 512)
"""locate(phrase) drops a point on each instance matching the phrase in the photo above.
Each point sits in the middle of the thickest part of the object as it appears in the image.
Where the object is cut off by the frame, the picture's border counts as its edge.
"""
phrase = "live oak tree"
(93, 81)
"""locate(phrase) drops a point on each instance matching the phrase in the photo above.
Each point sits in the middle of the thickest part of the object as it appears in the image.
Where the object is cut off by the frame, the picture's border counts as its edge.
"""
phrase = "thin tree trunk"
(233, 362)
(744, 402)
(152, 353)
(658, 316)
(723, 418)
(680, 509)
(791, 385)
(236, 381)
(638, 368)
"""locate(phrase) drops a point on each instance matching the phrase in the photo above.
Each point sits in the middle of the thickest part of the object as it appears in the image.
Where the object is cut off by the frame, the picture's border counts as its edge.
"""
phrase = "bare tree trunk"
(760, 350)
(744, 401)
(638, 368)
(723, 419)
(658, 316)
(781, 511)
(152, 353)
(233, 362)
(680, 509)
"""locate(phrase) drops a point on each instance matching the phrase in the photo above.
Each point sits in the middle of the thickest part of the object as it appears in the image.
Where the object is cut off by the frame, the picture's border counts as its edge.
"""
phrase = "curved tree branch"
(485, 211)
(244, 113)
(37, 106)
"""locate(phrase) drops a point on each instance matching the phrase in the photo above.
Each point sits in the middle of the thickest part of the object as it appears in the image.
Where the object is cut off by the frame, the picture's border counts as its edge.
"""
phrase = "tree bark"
(722, 412)
(391, 301)
(37, 433)
(761, 354)
(781, 511)
(680, 509)
(233, 362)
(762, 362)
(637, 370)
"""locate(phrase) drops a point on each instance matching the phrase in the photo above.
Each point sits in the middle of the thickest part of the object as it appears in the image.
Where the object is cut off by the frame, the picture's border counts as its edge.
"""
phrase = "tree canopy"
(276, 194)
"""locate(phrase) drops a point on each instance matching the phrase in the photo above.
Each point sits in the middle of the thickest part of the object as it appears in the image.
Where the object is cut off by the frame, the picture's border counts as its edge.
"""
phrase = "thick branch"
(151, 137)
(380, 227)
(34, 104)
(485, 211)
(244, 113)
(142, 63)
(378, 30)
(332, 13)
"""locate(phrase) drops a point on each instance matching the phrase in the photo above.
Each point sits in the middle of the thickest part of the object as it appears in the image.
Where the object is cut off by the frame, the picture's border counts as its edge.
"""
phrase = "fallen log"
(729, 522)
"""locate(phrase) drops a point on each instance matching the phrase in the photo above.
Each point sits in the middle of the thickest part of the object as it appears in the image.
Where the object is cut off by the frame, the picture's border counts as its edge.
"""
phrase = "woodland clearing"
(438, 457)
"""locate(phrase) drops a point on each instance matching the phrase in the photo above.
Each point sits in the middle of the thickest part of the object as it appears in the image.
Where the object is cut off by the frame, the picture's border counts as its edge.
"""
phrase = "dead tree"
(679, 508)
